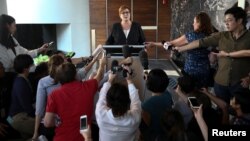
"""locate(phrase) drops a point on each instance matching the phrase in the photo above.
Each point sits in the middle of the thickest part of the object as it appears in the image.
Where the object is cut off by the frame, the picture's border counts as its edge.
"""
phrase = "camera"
(116, 69)
(193, 102)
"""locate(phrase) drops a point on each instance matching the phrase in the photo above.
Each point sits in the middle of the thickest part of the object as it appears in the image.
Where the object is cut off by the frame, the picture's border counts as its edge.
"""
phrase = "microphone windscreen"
(144, 59)
(126, 51)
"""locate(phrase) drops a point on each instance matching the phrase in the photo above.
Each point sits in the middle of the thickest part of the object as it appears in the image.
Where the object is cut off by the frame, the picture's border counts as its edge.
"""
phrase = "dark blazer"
(117, 36)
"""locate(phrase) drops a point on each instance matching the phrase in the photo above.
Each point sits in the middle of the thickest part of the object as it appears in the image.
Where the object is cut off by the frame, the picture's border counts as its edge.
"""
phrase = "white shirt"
(7, 56)
(118, 128)
(126, 32)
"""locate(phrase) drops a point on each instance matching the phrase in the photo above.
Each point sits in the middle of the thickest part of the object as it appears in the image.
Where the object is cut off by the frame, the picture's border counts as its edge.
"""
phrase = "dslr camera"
(115, 68)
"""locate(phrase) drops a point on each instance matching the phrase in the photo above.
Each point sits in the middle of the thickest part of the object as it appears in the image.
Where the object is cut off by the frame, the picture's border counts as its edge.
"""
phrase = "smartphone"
(193, 102)
(50, 44)
(83, 123)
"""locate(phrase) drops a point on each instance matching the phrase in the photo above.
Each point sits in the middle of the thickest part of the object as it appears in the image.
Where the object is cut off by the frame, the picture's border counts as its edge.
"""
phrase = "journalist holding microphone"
(196, 62)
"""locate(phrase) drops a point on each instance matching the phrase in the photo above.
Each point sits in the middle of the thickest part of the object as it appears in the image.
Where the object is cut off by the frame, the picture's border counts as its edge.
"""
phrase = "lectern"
(116, 50)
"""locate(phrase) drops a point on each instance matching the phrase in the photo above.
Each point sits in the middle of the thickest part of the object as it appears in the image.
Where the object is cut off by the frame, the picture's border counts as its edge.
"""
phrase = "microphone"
(126, 51)
(169, 46)
(143, 59)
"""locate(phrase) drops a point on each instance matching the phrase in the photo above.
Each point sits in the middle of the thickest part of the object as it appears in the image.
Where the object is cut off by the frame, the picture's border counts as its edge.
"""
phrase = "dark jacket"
(117, 36)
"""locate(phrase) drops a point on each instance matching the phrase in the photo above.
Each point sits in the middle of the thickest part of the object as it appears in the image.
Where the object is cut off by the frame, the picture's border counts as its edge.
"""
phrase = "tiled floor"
(170, 68)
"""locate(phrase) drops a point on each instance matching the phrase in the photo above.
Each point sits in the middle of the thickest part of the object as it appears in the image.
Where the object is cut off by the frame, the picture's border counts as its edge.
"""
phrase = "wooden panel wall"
(143, 12)
(97, 11)
(113, 13)
(164, 26)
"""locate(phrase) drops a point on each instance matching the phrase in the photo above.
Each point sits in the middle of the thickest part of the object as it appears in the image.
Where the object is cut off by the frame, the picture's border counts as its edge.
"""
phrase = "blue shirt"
(45, 86)
(22, 97)
(197, 63)
(156, 106)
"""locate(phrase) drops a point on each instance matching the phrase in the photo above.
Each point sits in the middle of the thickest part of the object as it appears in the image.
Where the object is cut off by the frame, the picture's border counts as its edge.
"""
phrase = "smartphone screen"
(193, 102)
(83, 122)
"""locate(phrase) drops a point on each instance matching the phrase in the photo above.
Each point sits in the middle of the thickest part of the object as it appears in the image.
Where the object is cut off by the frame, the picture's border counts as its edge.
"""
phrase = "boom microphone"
(143, 59)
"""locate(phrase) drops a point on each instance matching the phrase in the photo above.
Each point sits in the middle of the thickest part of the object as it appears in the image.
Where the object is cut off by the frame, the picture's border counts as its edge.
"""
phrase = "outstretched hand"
(198, 112)
(86, 134)
(179, 49)
(103, 61)
(149, 44)
(221, 54)
(44, 47)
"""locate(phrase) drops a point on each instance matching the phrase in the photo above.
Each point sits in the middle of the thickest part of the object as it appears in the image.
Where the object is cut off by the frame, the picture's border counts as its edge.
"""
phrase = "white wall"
(64, 40)
(73, 31)
(3, 7)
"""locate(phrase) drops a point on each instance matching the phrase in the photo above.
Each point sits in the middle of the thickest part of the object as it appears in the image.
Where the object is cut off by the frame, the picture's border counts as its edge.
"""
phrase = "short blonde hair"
(122, 8)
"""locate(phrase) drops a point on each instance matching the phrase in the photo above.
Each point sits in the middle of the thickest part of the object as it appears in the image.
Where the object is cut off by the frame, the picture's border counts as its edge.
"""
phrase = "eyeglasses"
(127, 12)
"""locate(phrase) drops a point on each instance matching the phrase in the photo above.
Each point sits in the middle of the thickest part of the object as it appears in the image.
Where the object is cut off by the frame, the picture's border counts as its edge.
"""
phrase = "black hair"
(186, 83)
(205, 23)
(118, 99)
(5, 36)
(22, 61)
(243, 99)
(157, 81)
(66, 73)
(238, 13)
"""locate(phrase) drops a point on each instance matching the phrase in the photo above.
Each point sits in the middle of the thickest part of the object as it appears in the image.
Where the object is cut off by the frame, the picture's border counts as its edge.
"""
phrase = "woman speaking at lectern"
(126, 32)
